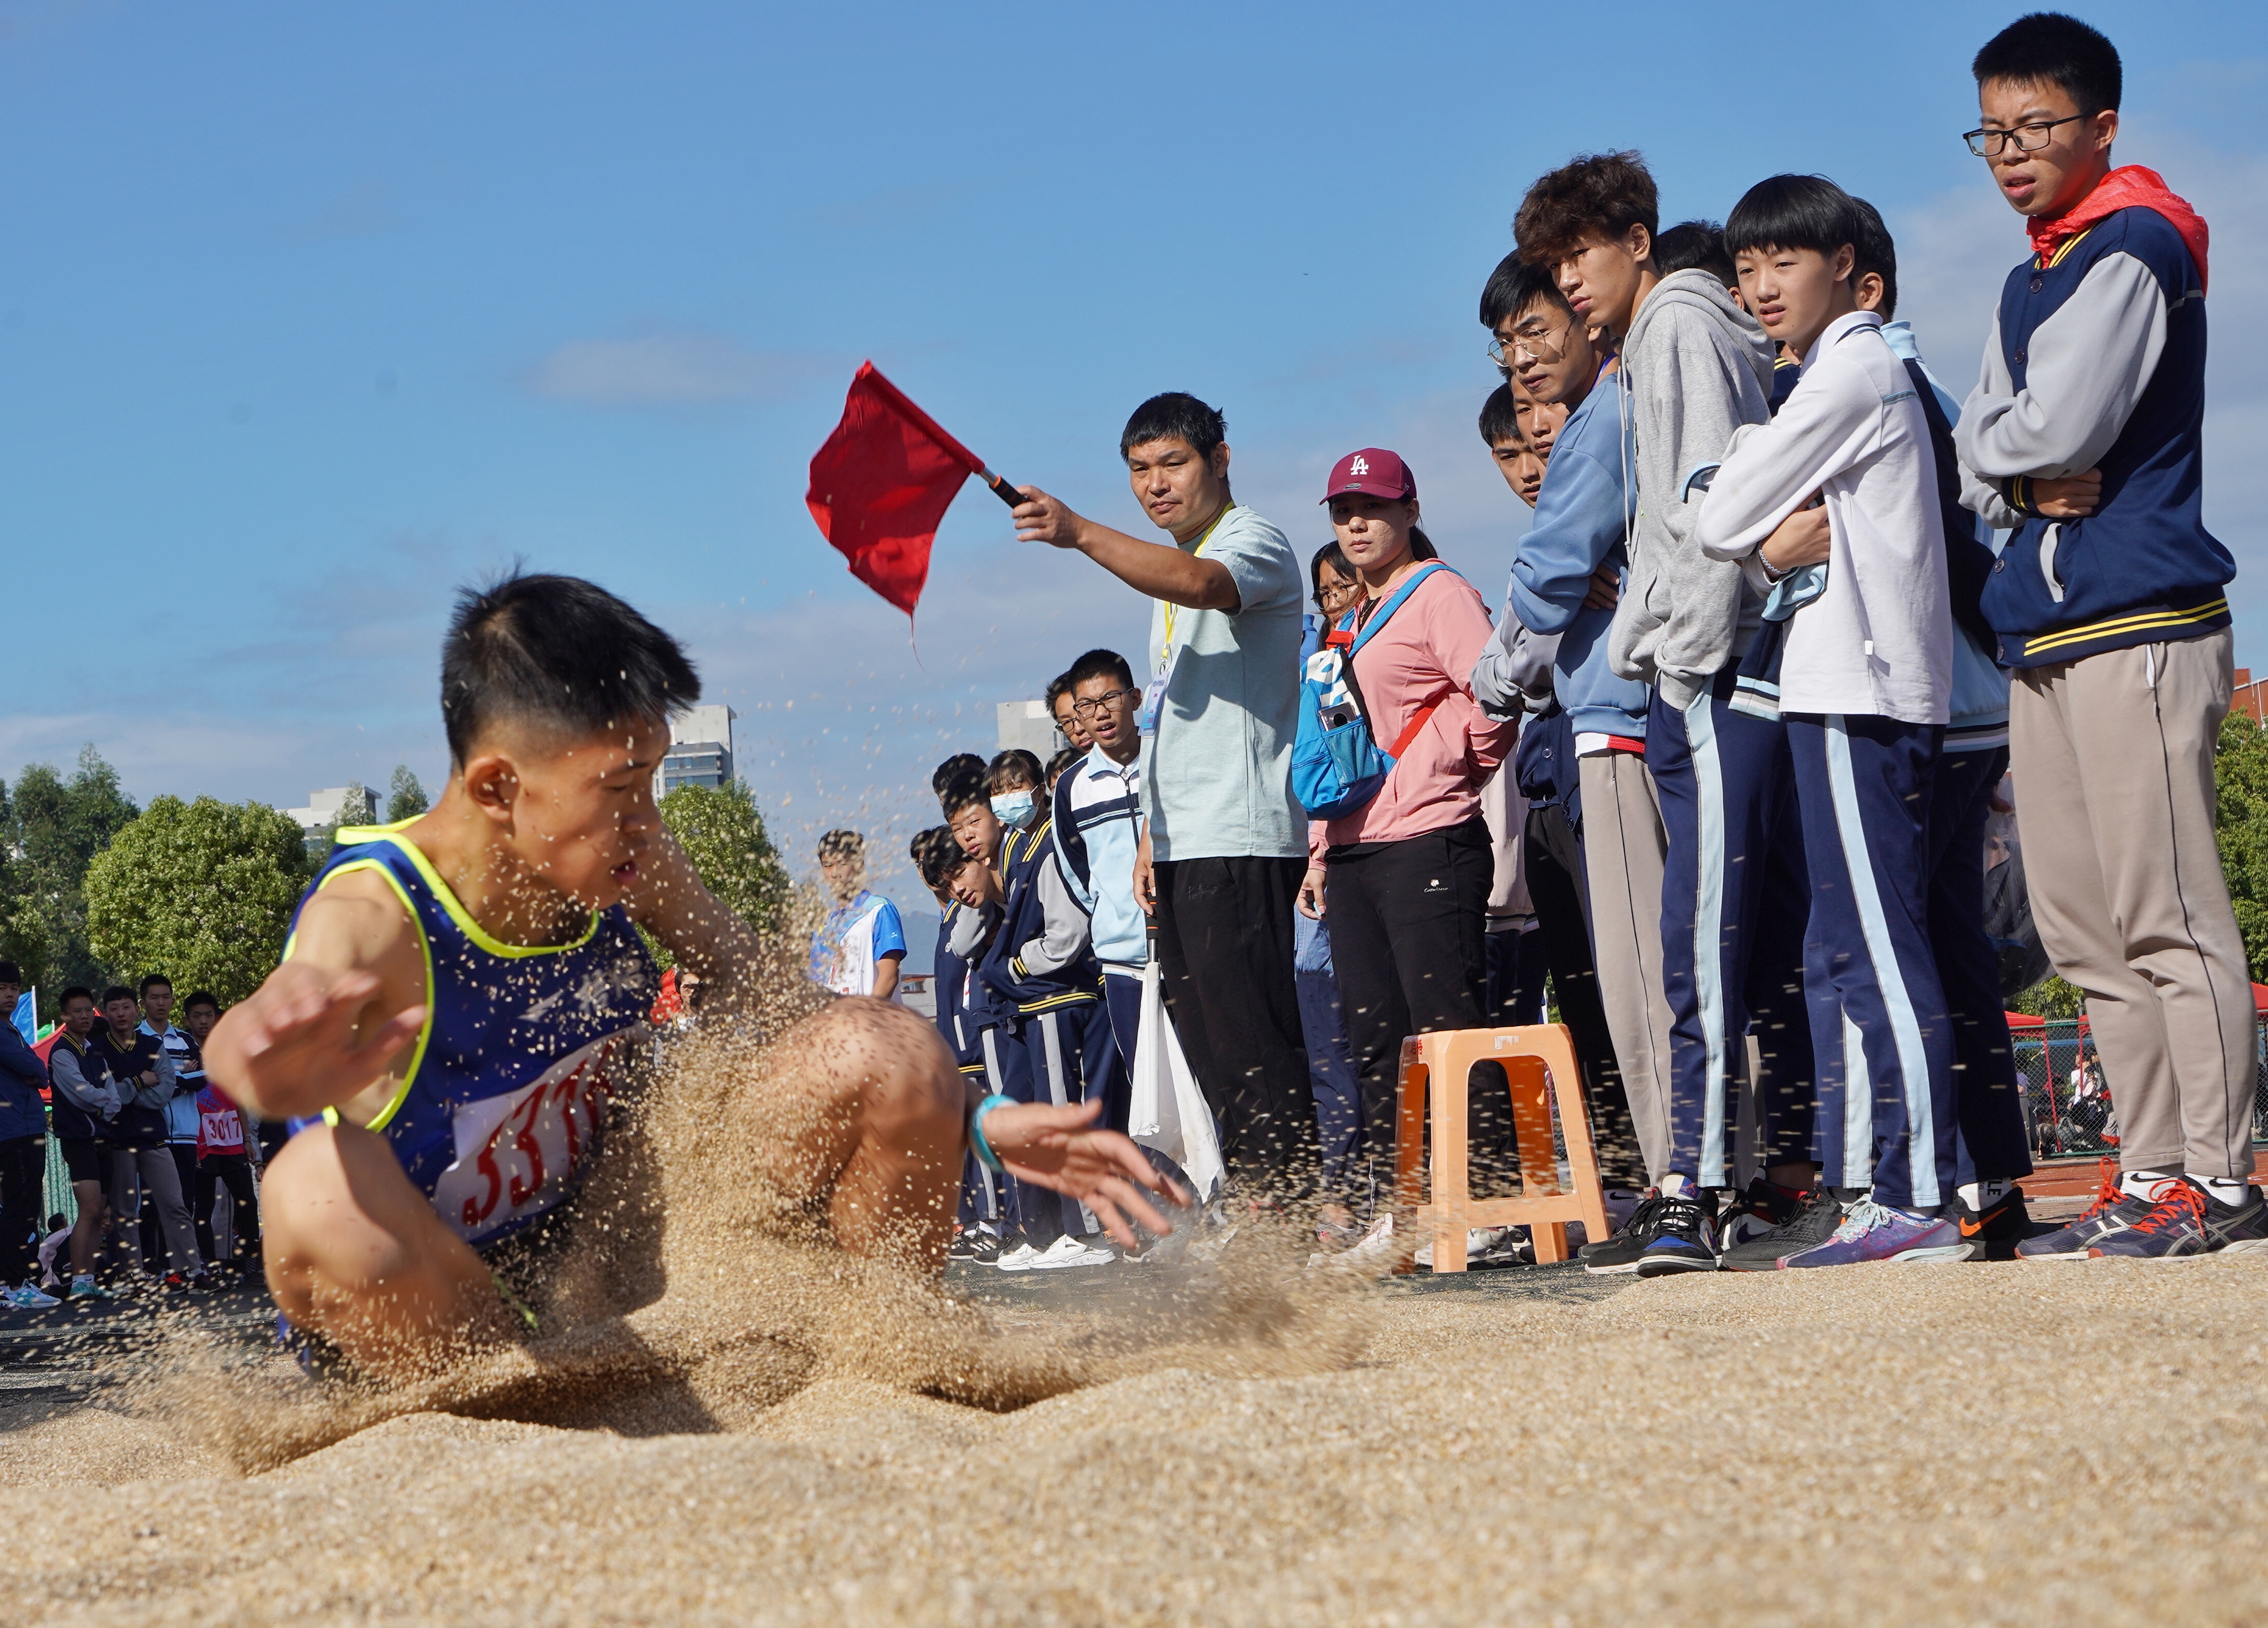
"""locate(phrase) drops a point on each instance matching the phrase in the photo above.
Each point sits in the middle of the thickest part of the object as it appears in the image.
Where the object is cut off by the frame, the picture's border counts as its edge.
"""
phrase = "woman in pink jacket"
(1405, 879)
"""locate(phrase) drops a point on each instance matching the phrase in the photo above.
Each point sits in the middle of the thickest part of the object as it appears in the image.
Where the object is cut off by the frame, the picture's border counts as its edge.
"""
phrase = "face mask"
(1013, 807)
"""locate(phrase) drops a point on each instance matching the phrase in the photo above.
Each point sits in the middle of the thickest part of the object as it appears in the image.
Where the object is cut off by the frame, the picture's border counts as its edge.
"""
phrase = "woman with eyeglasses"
(1403, 880)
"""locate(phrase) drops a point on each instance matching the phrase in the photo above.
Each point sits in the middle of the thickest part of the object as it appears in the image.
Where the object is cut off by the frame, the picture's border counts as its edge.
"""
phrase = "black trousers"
(1556, 887)
(235, 1171)
(1224, 963)
(1408, 943)
(23, 1172)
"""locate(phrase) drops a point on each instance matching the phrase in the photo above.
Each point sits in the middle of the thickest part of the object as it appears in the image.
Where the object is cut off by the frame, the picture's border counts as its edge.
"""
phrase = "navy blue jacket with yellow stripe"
(1015, 968)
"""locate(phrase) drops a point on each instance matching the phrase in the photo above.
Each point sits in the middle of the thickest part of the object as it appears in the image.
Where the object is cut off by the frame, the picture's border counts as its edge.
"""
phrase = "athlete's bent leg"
(356, 1254)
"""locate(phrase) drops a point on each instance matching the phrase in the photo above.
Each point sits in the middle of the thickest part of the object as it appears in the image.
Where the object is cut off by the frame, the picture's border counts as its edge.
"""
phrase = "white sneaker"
(26, 1298)
(1480, 1243)
(1376, 1248)
(1018, 1259)
(1070, 1251)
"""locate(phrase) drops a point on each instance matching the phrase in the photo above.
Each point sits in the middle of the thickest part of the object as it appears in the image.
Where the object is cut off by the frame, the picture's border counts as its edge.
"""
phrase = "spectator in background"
(860, 948)
(1224, 838)
(1060, 761)
(23, 1153)
(181, 1107)
(1067, 722)
(142, 1165)
(958, 770)
(938, 859)
(1403, 880)
(1322, 1017)
(86, 1102)
(1098, 836)
(223, 1158)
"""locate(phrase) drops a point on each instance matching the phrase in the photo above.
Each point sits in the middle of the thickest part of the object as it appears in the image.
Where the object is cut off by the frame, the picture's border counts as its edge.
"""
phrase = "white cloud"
(681, 368)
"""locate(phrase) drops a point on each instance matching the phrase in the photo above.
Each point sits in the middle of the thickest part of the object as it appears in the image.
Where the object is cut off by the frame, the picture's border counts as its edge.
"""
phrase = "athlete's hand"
(1311, 892)
(2072, 498)
(291, 1048)
(1059, 1149)
(1042, 519)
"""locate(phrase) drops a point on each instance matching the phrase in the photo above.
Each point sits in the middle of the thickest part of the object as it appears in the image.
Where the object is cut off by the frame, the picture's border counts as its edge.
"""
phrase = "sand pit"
(1970, 1444)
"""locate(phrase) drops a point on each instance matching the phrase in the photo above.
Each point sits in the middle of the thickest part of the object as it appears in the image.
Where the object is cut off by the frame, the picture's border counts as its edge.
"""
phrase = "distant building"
(330, 807)
(1029, 724)
(700, 751)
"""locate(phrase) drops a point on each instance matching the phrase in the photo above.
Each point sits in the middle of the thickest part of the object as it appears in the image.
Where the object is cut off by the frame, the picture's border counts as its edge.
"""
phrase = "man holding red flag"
(2084, 435)
(1224, 844)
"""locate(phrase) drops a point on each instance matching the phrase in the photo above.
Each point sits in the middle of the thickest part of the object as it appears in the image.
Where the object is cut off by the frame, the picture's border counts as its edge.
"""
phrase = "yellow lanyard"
(1166, 655)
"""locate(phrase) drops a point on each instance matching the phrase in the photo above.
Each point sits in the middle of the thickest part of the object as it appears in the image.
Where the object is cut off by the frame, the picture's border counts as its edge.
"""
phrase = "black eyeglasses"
(2029, 138)
(1093, 705)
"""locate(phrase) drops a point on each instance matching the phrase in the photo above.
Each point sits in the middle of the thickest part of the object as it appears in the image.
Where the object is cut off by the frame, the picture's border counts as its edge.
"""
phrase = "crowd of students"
(1720, 766)
(147, 1144)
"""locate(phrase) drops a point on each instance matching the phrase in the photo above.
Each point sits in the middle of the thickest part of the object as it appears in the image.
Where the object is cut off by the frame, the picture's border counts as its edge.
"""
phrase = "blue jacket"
(1006, 969)
(951, 983)
(1580, 517)
(2142, 568)
(22, 1075)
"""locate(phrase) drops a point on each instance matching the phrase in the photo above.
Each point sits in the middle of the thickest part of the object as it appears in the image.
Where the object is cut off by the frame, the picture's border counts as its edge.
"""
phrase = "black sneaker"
(1815, 1222)
(1684, 1238)
(1618, 1250)
(963, 1246)
(1763, 1209)
(2236, 1228)
(1992, 1233)
(984, 1246)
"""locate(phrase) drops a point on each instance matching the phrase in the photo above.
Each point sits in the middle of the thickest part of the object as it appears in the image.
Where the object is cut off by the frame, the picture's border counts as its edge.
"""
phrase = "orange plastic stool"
(1539, 1061)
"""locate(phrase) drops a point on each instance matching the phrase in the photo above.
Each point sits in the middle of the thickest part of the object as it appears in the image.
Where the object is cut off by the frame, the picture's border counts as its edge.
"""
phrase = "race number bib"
(520, 1154)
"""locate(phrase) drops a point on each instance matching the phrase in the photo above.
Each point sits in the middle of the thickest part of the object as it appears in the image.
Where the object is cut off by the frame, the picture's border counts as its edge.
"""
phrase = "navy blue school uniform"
(1058, 1012)
(979, 1198)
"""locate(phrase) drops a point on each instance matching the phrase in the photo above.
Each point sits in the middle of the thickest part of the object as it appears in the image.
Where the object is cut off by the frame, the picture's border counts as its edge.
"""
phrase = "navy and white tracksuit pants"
(1057, 1056)
(1733, 905)
(1866, 785)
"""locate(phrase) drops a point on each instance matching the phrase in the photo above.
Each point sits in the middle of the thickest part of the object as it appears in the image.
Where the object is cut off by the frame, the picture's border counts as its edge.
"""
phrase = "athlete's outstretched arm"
(327, 1024)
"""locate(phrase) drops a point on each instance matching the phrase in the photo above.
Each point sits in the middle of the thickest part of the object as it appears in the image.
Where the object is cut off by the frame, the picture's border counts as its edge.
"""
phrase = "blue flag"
(26, 1021)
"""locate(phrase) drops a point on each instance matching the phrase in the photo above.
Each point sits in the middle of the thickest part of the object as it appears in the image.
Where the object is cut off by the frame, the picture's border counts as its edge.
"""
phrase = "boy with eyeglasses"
(2084, 433)
(1695, 368)
(1564, 581)
(1098, 832)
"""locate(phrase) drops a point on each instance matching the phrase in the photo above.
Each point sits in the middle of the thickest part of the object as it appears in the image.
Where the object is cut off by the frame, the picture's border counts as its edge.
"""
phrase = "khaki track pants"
(1622, 849)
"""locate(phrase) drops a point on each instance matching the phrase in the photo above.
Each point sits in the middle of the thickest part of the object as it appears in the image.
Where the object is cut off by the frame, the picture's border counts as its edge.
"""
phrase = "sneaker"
(1482, 1244)
(2236, 1228)
(26, 1298)
(1618, 1251)
(1376, 1248)
(1070, 1251)
(984, 1245)
(1813, 1224)
(85, 1288)
(1684, 1238)
(1018, 1259)
(1880, 1232)
(1993, 1233)
(2113, 1210)
(1764, 1208)
(963, 1247)
(2175, 1226)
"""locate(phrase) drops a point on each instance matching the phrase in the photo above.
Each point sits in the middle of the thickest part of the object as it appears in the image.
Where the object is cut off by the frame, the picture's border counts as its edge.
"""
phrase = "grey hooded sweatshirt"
(1698, 368)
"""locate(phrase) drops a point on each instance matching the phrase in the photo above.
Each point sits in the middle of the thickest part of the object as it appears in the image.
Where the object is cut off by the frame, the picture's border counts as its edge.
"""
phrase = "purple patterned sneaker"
(1876, 1232)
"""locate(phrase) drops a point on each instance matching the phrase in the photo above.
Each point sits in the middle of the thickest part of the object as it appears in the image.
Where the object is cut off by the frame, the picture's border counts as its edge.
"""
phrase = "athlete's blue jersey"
(506, 1089)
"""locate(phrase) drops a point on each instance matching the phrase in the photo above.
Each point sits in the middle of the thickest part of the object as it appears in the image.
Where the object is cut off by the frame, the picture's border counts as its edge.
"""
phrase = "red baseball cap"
(1375, 473)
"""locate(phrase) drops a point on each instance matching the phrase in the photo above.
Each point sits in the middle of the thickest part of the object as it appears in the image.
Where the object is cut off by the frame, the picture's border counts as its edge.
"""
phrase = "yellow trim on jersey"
(425, 948)
(448, 900)
(2062, 249)
(2125, 624)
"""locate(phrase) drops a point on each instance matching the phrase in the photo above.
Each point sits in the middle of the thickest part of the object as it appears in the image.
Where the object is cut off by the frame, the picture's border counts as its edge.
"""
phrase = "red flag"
(882, 484)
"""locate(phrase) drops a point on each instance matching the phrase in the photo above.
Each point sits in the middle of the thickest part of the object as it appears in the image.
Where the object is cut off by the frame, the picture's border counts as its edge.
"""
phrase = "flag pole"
(1001, 490)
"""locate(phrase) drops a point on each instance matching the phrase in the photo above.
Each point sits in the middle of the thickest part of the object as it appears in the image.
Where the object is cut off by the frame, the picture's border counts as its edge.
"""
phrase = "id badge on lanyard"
(1153, 694)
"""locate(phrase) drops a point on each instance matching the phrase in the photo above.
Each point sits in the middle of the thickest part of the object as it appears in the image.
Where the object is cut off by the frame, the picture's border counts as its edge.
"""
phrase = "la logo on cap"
(1360, 465)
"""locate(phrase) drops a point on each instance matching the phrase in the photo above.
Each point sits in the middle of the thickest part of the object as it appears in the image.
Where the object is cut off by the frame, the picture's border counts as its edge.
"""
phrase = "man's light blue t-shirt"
(1217, 777)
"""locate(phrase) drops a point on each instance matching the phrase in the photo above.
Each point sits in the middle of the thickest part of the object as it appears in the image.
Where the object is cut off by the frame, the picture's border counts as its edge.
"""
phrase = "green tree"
(54, 828)
(201, 891)
(2240, 776)
(405, 799)
(724, 834)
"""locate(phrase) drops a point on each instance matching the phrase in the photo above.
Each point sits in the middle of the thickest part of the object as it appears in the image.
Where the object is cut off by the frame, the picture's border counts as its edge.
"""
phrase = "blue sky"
(309, 314)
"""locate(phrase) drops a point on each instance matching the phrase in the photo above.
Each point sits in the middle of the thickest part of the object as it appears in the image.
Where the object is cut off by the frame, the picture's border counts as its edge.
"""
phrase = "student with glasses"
(1098, 833)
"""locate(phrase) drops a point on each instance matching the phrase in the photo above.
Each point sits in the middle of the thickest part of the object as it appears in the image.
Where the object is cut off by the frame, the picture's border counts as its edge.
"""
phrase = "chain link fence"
(2071, 1106)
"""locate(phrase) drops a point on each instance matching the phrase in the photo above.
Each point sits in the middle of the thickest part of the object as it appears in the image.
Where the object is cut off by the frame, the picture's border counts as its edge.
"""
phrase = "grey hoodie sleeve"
(970, 929)
(1066, 929)
(1514, 671)
(2087, 366)
(97, 1097)
(168, 1082)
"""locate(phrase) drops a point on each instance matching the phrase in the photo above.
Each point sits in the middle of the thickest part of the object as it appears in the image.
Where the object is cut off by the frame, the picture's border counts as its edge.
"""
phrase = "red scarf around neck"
(2128, 187)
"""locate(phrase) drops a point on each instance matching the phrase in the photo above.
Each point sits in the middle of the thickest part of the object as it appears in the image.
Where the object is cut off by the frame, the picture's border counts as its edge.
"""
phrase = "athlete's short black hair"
(154, 980)
(1015, 768)
(1695, 246)
(972, 791)
(10, 973)
(2048, 47)
(200, 998)
(1513, 286)
(75, 992)
(936, 856)
(1500, 419)
(555, 651)
(116, 992)
(1794, 211)
(841, 844)
(960, 766)
(1174, 415)
(1100, 664)
(1874, 250)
